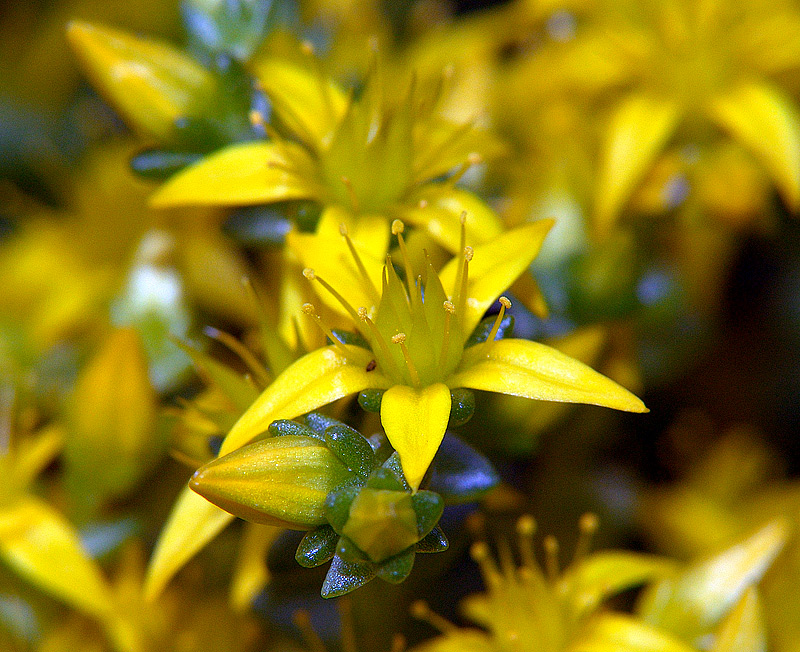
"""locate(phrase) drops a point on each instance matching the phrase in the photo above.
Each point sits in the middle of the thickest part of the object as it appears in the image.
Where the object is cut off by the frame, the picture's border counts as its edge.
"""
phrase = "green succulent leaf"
(463, 406)
(434, 541)
(428, 506)
(344, 577)
(352, 448)
(396, 569)
(317, 547)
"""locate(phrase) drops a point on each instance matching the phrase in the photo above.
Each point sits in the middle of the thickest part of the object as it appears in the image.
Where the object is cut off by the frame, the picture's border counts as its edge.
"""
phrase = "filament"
(261, 374)
(421, 611)
(311, 276)
(526, 529)
(367, 282)
(550, 544)
(449, 309)
(312, 312)
(505, 304)
(376, 334)
(400, 339)
(587, 525)
(397, 229)
(351, 193)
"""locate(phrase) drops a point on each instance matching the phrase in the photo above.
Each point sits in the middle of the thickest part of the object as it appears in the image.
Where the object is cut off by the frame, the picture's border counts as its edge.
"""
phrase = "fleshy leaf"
(151, 83)
(692, 603)
(396, 569)
(495, 266)
(344, 577)
(434, 541)
(764, 120)
(192, 524)
(352, 448)
(459, 473)
(314, 380)
(41, 545)
(523, 368)
(638, 130)
(317, 547)
(277, 481)
(241, 174)
(415, 422)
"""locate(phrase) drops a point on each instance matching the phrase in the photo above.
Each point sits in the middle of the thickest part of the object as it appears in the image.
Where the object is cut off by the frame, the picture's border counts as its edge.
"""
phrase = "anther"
(587, 526)
(505, 304)
(480, 554)
(311, 311)
(469, 252)
(256, 118)
(421, 611)
(423, 204)
(397, 227)
(504, 301)
(526, 528)
(400, 338)
(550, 544)
(307, 48)
(343, 229)
(309, 274)
(449, 307)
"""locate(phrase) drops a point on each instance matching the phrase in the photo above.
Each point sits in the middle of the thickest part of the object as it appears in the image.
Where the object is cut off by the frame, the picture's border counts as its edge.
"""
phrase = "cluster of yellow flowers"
(306, 272)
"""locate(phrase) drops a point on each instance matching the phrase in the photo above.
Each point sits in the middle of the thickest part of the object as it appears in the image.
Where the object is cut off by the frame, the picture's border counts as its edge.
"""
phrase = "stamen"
(588, 525)
(256, 118)
(400, 339)
(526, 529)
(505, 304)
(423, 204)
(397, 229)
(421, 611)
(480, 554)
(309, 309)
(449, 311)
(462, 290)
(311, 276)
(302, 621)
(308, 49)
(261, 374)
(550, 544)
(366, 281)
(376, 334)
(354, 203)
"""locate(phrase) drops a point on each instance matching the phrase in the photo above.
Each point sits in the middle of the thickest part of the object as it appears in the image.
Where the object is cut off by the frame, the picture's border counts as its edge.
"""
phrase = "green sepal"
(344, 577)
(352, 448)
(459, 474)
(396, 569)
(370, 400)
(385, 479)
(337, 505)
(318, 422)
(287, 428)
(428, 506)
(348, 551)
(396, 471)
(482, 330)
(463, 406)
(349, 338)
(317, 547)
(434, 541)
(160, 164)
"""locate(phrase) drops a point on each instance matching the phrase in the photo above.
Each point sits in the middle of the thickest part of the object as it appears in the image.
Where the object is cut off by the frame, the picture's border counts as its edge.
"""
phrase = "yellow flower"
(369, 156)
(718, 62)
(415, 347)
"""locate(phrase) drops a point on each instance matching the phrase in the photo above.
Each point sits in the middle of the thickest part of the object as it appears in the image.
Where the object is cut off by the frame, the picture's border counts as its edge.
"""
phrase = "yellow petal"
(192, 524)
(39, 544)
(743, 629)
(440, 215)
(494, 267)
(461, 639)
(695, 601)
(32, 456)
(638, 130)
(309, 104)
(533, 370)
(251, 573)
(151, 83)
(314, 380)
(241, 174)
(327, 253)
(415, 421)
(612, 632)
(764, 120)
(112, 436)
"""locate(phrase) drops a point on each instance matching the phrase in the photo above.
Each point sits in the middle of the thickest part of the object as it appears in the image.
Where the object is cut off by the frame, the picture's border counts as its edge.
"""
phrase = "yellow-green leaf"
(149, 82)
(533, 370)
(637, 131)
(241, 174)
(41, 545)
(314, 380)
(495, 265)
(112, 436)
(767, 122)
(308, 103)
(415, 421)
(192, 524)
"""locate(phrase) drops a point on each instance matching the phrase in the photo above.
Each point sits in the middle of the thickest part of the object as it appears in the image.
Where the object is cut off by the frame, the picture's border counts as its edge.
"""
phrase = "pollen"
(343, 229)
(449, 306)
(397, 227)
(308, 308)
(505, 302)
(400, 338)
(309, 274)
(469, 252)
